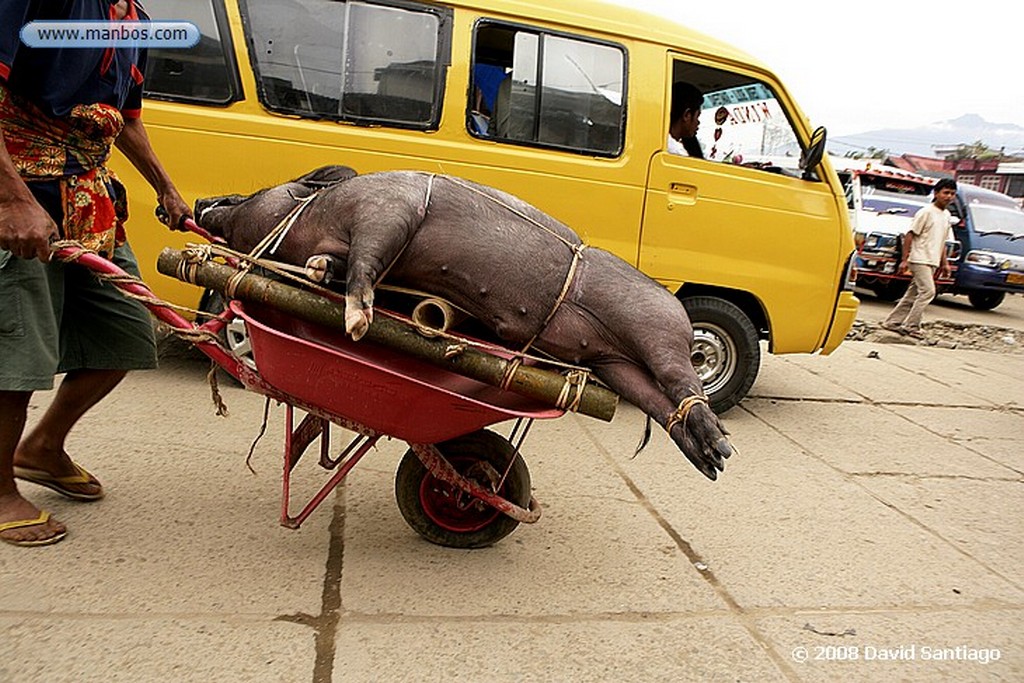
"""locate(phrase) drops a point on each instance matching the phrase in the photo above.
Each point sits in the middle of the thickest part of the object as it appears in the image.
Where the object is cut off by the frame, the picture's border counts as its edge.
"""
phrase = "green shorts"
(57, 317)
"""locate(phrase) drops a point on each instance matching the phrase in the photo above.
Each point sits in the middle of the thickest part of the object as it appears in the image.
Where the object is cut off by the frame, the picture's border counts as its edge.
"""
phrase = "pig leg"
(692, 424)
(378, 238)
(320, 268)
(698, 435)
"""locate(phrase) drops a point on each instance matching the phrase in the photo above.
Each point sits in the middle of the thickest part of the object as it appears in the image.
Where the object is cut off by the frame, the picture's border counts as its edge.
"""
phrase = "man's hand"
(176, 208)
(904, 268)
(26, 229)
(944, 272)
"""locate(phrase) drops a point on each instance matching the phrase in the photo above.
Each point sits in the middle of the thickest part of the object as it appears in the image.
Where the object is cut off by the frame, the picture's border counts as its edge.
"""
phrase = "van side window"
(205, 73)
(546, 89)
(350, 61)
(742, 120)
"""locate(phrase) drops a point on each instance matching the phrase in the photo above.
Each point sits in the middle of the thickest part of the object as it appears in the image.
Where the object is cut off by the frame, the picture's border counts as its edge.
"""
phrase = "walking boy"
(924, 252)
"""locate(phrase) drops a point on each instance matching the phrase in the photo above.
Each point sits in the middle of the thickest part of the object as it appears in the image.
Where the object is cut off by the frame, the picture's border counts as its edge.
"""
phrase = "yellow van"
(564, 104)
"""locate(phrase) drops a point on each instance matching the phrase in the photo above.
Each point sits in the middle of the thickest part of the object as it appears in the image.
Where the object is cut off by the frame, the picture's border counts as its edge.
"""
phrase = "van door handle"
(682, 193)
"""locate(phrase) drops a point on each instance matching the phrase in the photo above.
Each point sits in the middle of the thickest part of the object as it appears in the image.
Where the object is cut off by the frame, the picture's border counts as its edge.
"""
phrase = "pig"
(523, 274)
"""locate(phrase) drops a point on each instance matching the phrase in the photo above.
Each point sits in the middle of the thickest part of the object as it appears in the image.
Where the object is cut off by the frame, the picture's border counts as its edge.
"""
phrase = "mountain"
(966, 129)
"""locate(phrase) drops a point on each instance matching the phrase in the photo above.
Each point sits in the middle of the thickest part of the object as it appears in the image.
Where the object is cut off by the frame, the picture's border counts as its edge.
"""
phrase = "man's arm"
(944, 270)
(25, 227)
(908, 242)
(134, 143)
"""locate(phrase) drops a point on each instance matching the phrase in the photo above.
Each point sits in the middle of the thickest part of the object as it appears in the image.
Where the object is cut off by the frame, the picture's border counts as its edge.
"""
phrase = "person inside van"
(487, 78)
(684, 120)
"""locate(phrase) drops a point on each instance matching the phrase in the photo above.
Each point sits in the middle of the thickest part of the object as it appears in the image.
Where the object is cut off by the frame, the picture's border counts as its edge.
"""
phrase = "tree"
(976, 150)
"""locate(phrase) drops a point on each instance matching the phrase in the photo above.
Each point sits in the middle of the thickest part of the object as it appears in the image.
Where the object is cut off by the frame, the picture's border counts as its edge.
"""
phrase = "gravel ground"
(946, 334)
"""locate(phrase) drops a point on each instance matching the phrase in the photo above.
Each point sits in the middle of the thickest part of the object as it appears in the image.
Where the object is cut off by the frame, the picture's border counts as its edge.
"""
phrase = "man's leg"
(13, 408)
(43, 447)
(924, 282)
(902, 309)
(103, 334)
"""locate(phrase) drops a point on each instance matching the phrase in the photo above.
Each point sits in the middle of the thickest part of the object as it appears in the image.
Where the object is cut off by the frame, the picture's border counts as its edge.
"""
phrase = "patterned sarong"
(73, 150)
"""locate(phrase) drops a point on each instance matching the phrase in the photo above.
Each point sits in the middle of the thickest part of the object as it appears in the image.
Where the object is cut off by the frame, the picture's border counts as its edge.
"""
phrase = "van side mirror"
(811, 157)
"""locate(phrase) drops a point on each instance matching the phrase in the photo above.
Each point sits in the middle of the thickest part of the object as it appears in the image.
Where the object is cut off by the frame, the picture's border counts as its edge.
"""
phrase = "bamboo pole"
(536, 383)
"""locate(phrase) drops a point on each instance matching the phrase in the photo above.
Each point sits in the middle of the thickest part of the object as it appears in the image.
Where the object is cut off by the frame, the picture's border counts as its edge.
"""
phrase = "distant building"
(1013, 174)
(1005, 177)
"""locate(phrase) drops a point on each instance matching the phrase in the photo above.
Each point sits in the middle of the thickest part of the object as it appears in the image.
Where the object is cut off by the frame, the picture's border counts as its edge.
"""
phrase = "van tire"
(985, 301)
(725, 353)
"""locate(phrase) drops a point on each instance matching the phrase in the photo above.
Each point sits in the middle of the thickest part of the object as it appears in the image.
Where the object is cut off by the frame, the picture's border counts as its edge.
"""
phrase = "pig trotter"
(357, 317)
(700, 436)
(320, 268)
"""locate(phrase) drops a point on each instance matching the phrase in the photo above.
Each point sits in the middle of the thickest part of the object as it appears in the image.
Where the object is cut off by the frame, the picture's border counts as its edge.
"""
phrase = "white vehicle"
(882, 201)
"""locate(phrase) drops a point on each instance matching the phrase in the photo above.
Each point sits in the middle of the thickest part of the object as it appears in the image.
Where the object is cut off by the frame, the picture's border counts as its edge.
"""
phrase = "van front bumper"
(842, 321)
(973, 277)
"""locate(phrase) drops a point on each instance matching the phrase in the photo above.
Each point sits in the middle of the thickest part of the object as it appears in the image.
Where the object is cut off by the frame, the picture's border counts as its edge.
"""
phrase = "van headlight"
(982, 258)
(880, 243)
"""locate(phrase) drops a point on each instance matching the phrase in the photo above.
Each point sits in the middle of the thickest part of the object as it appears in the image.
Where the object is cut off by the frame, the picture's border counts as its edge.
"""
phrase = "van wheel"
(725, 352)
(986, 301)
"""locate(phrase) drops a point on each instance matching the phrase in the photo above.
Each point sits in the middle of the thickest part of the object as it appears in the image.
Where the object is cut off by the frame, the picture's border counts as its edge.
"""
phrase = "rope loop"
(511, 368)
(453, 350)
(682, 413)
(573, 379)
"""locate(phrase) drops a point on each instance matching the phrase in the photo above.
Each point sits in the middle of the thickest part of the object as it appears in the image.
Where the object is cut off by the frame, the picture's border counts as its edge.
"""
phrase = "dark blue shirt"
(56, 79)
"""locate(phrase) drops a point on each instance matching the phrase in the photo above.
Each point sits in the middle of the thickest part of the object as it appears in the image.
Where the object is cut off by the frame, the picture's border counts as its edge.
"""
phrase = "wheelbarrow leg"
(296, 442)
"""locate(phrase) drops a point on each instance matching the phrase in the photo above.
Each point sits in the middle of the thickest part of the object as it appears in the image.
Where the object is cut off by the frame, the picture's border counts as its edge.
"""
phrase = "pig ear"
(326, 176)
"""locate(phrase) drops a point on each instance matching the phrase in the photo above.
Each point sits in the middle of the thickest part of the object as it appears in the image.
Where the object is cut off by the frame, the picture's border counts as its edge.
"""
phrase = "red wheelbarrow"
(459, 484)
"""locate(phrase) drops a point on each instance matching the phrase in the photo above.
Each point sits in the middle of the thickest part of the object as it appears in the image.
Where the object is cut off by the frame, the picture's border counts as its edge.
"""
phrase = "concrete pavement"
(868, 530)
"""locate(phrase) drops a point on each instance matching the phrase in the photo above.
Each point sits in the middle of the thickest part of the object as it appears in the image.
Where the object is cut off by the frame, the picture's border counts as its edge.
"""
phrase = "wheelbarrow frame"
(491, 407)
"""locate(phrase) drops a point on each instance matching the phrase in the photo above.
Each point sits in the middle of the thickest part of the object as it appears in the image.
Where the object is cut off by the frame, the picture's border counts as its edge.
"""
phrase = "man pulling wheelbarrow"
(61, 110)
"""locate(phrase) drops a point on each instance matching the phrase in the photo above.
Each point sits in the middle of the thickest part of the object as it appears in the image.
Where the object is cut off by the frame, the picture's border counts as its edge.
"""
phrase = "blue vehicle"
(990, 230)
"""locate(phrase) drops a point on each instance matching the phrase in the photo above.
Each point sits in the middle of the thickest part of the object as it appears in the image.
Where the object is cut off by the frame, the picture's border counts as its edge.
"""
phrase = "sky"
(872, 64)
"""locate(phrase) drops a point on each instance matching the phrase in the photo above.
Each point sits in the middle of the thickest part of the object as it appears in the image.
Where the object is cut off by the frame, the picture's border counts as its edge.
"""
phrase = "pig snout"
(206, 209)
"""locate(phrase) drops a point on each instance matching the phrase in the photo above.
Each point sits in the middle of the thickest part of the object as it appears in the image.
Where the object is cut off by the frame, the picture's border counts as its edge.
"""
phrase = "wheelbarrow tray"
(388, 391)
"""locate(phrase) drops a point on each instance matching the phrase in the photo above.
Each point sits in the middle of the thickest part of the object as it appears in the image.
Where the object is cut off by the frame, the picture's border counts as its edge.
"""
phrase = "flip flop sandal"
(60, 484)
(43, 517)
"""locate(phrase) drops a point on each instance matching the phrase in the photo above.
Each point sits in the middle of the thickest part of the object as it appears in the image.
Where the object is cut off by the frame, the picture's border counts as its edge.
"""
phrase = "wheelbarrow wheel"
(444, 514)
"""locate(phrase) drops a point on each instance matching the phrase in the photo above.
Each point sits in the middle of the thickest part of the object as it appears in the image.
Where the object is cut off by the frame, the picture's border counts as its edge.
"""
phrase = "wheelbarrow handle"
(188, 224)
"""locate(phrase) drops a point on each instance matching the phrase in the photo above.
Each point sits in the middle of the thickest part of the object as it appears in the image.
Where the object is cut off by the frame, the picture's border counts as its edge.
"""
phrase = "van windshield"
(900, 205)
(997, 219)
(894, 196)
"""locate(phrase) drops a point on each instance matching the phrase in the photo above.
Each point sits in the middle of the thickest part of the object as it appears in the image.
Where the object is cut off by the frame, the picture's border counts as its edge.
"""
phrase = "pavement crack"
(700, 565)
(326, 623)
(301, 619)
(935, 477)
(858, 481)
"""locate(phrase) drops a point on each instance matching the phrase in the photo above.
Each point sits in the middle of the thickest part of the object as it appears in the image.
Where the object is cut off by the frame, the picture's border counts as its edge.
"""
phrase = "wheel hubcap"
(453, 509)
(237, 337)
(713, 356)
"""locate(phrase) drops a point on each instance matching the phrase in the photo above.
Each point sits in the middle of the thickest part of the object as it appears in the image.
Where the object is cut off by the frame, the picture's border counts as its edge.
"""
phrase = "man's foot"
(914, 332)
(892, 327)
(59, 473)
(21, 523)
